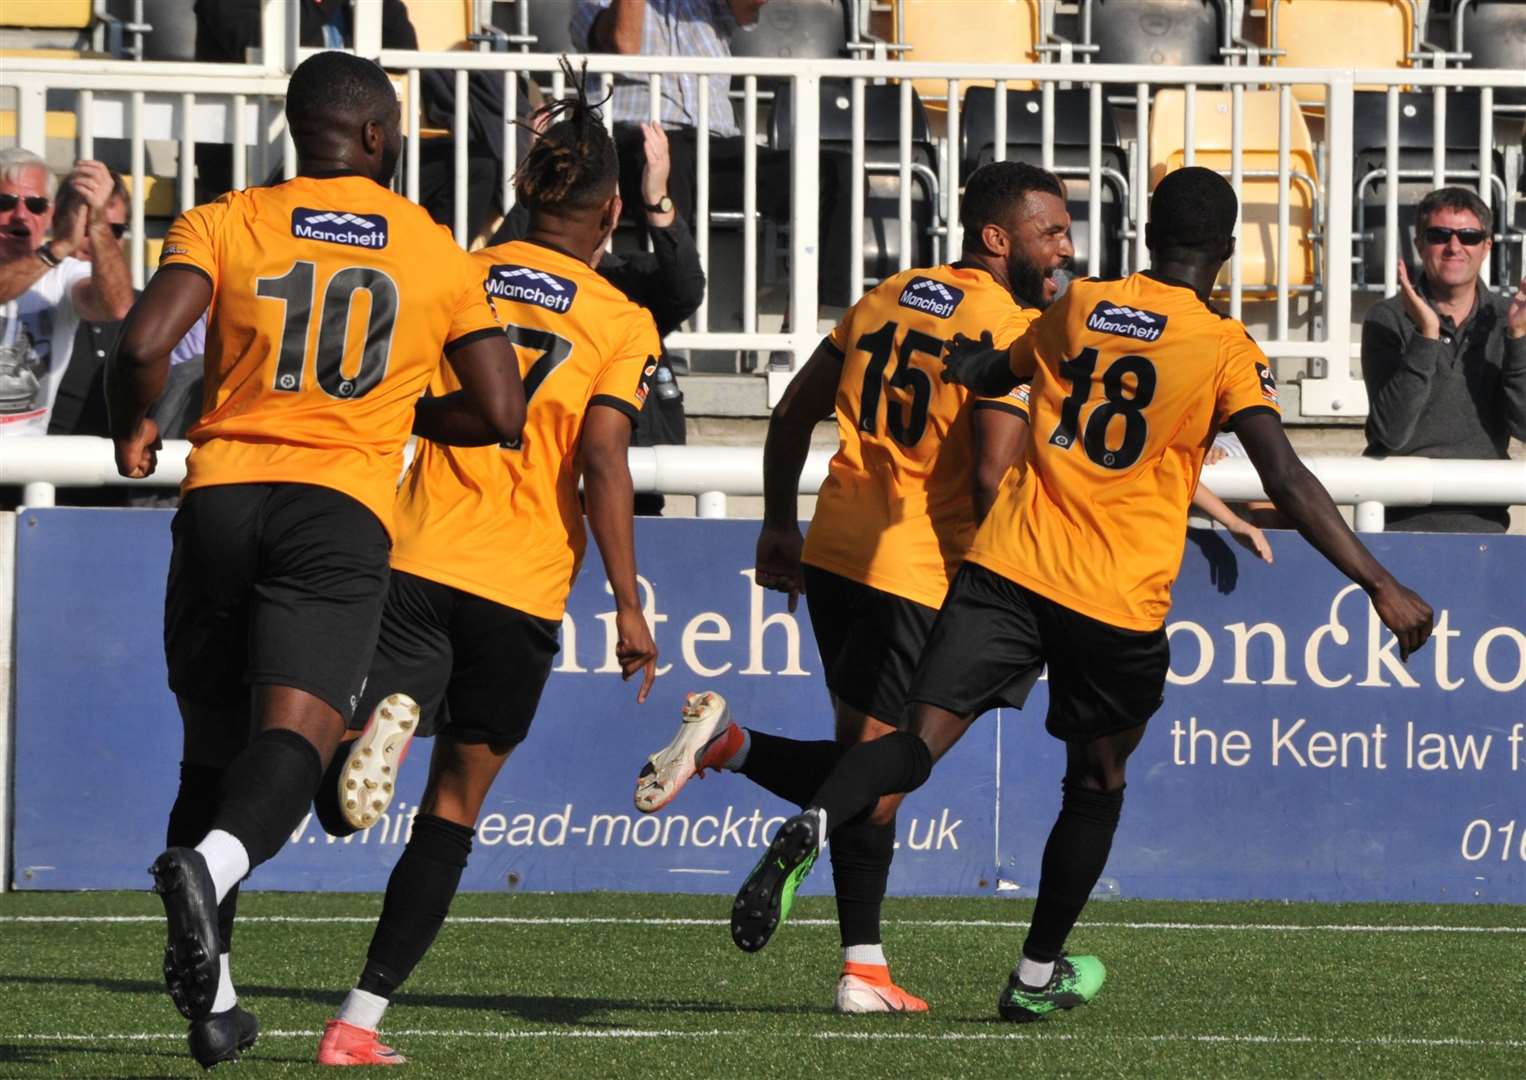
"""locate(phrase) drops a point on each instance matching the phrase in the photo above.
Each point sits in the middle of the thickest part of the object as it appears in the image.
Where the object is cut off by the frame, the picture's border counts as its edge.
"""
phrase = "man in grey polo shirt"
(1444, 359)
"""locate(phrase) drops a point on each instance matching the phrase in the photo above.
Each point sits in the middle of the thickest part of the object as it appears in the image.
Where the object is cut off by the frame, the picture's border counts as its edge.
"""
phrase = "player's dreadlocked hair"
(572, 166)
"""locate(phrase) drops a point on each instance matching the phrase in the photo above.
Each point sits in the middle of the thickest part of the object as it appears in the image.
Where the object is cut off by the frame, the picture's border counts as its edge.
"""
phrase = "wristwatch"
(663, 205)
(45, 253)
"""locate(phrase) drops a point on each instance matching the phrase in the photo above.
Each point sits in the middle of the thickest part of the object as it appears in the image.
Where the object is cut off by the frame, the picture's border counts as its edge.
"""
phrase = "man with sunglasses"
(48, 286)
(1444, 359)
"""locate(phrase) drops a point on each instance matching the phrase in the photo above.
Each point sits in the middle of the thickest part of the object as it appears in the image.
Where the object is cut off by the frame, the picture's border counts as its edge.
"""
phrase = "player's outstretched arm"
(490, 406)
(979, 366)
(807, 400)
(175, 298)
(1246, 535)
(1300, 495)
(609, 498)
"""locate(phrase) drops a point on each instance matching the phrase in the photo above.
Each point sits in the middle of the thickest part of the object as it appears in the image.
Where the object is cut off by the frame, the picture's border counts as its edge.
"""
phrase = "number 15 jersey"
(332, 301)
(1131, 379)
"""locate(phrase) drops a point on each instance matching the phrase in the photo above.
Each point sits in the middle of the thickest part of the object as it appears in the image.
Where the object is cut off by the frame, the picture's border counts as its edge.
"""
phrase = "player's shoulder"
(562, 284)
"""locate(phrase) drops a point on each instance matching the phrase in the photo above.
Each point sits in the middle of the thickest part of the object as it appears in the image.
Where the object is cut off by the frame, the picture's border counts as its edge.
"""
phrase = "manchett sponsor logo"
(530, 286)
(339, 227)
(1110, 318)
(933, 297)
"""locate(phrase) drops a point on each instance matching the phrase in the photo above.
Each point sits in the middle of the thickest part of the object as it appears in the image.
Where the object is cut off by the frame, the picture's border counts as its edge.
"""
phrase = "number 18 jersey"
(897, 509)
(1131, 379)
(332, 301)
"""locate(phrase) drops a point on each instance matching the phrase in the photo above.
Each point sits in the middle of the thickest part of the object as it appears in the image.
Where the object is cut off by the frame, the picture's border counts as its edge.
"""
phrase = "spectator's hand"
(138, 454)
(635, 650)
(1252, 540)
(1419, 312)
(1215, 455)
(1403, 612)
(778, 561)
(654, 174)
(93, 182)
(1516, 317)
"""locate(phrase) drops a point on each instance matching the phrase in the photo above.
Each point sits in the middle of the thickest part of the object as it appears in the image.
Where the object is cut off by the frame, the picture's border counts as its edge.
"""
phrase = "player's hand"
(1254, 541)
(979, 366)
(635, 650)
(1515, 317)
(138, 454)
(1403, 612)
(778, 561)
(1420, 313)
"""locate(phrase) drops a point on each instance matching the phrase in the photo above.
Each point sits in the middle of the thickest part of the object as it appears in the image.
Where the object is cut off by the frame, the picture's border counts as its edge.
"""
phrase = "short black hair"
(572, 166)
(333, 85)
(994, 191)
(1192, 210)
(1456, 199)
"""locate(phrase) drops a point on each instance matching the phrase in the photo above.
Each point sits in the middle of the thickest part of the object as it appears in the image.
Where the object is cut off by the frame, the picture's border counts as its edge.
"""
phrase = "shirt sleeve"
(625, 381)
(192, 240)
(584, 12)
(473, 316)
(842, 333)
(1246, 384)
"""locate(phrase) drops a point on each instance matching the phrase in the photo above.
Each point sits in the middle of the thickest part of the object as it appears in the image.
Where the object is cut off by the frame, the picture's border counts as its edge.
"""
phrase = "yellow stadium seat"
(39, 54)
(58, 125)
(159, 195)
(1340, 34)
(969, 31)
(442, 25)
(1258, 194)
(46, 14)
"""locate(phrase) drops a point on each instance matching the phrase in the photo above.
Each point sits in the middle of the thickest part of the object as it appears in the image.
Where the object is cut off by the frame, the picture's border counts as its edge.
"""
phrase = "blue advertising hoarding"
(1295, 756)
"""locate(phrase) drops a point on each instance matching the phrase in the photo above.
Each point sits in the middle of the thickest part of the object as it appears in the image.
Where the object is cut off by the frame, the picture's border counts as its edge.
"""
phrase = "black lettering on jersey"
(934, 297)
(339, 227)
(1110, 318)
(1268, 382)
(527, 285)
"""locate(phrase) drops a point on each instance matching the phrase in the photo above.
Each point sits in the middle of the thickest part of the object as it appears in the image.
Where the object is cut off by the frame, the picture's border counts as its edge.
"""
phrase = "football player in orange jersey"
(279, 566)
(1074, 564)
(489, 542)
(918, 465)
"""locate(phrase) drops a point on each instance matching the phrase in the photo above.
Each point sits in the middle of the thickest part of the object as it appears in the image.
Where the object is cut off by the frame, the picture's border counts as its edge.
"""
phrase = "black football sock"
(266, 791)
(419, 893)
(326, 798)
(861, 855)
(191, 819)
(898, 762)
(1073, 861)
(789, 768)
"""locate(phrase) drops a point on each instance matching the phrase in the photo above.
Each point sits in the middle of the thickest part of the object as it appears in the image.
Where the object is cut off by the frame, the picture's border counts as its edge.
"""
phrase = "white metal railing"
(711, 473)
(240, 105)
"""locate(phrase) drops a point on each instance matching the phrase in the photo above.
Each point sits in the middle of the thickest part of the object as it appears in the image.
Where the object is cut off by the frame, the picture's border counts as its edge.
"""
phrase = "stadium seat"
(881, 250)
(982, 32)
(1258, 194)
(1072, 133)
(1340, 34)
(159, 195)
(173, 36)
(810, 29)
(1493, 32)
(442, 25)
(47, 14)
(551, 25)
(1416, 137)
(1157, 31)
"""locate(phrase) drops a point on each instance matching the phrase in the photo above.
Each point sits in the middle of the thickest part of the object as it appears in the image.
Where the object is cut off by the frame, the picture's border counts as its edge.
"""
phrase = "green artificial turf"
(645, 986)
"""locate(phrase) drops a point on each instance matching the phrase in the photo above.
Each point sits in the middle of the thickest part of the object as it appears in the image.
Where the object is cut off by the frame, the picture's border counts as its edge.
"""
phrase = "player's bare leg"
(1045, 979)
(419, 894)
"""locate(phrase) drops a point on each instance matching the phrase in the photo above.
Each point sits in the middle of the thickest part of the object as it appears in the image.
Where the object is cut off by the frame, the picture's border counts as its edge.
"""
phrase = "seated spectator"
(47, 288)
(1445, 359)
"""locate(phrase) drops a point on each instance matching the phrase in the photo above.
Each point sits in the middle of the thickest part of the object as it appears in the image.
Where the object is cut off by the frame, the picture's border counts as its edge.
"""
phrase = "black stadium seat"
(1494, 33)
(795, 29)
(1157, 31)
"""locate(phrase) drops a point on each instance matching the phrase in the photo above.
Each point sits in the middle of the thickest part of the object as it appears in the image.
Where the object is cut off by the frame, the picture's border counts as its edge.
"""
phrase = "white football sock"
(227, 997)
(734, 762)
(864, 954)
(227, 861)
(1032, 973)
(362, 1009)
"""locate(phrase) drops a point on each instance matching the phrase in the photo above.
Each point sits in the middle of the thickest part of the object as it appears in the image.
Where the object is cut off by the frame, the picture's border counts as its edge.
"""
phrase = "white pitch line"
(554, 920)
(854, 1036)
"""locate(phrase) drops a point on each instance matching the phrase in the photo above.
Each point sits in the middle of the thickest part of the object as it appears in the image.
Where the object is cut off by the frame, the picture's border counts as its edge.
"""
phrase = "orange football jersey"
(1131, 379)
(504, 522)
(897, 509)
(332, 301)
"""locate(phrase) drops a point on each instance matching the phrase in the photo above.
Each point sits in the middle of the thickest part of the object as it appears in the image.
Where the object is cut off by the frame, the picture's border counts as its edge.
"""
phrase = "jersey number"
(905, 425)
(554, 351)
(1136, 429)
(295, 290)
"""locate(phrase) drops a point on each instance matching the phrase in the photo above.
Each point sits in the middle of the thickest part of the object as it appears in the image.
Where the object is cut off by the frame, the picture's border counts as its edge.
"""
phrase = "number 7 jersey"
(1131, 380)
(332, 300)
